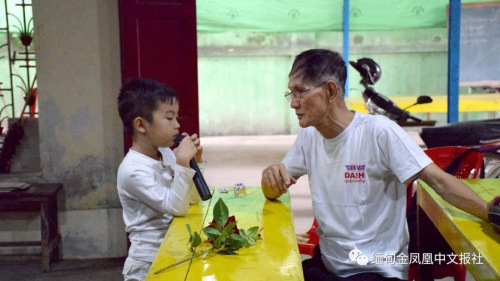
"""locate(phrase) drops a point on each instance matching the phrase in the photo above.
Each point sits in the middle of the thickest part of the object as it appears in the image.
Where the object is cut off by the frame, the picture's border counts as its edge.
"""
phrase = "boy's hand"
(187, 149)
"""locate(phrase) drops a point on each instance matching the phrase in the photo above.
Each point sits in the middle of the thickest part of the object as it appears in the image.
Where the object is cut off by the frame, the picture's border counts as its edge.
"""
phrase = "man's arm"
(275, 181)
(455, 192)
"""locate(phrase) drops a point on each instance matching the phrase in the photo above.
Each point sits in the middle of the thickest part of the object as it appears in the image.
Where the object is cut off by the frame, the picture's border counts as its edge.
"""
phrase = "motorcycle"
(482, 135)
(377, 103)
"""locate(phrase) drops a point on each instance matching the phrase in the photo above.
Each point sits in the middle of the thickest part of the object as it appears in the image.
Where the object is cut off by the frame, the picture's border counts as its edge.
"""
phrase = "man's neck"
(335, 124)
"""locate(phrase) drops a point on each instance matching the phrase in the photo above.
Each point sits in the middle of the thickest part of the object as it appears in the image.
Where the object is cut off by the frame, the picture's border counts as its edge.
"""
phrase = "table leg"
(425, 233)
(50, 233)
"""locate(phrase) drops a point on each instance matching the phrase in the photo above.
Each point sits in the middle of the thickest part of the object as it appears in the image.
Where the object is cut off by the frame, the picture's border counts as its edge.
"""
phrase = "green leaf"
(211, 233)
(228, 230)
(196, 240)
(189, 230)
(219, 242)
(236, 241)
(221, 213)
(25, 89)
(253, 231)
(250, 241)
(30, 24)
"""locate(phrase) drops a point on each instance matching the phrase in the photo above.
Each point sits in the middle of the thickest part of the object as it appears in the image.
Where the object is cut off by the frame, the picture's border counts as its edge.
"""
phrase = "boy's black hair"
(139, 97)
(318, 65)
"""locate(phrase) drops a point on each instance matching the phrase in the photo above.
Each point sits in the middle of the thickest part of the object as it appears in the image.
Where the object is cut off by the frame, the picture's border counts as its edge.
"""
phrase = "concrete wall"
(248, 72)
(81, 140)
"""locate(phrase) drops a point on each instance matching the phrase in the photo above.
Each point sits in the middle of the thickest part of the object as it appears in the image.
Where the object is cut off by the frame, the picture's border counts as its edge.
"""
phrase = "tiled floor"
(236, 159)
(230, 160)
(71, 270)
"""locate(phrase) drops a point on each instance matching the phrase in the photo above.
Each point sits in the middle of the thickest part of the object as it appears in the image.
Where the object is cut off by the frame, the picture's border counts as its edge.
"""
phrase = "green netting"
(319, 15)
(307, 15)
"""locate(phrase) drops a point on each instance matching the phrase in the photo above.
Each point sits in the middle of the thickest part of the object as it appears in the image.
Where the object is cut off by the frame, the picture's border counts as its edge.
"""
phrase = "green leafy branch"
(222, 233)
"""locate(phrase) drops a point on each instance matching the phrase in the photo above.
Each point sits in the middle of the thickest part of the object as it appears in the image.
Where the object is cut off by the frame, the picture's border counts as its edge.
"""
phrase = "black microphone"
(198, 179)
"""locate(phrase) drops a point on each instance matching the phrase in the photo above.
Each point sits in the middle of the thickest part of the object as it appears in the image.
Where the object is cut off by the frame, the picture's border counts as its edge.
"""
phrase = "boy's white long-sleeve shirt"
(152, 192)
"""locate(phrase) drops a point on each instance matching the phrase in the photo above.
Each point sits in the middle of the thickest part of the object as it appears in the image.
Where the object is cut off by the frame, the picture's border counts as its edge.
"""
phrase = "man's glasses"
(298, 94)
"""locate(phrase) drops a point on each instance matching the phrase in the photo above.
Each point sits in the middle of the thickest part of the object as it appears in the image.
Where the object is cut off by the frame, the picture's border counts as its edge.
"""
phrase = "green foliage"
(26, 87)
(221, 212)
(23, 30)
(251, 236)
(212, 233)
(194, 239)
(223, 233)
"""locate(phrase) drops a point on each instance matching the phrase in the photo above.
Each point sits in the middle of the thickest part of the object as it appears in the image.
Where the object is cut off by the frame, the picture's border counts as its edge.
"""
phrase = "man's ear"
(139, 125)
(333, 90)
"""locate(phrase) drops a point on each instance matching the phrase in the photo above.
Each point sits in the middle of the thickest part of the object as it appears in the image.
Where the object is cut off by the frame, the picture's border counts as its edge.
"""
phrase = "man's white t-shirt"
(358, 190)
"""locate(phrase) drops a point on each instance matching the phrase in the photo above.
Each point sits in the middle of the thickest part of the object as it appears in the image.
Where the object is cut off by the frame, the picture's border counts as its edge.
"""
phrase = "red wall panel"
(158, 41)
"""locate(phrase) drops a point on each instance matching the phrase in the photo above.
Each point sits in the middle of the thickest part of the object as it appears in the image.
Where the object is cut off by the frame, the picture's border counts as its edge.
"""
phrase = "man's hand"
(495, 201)
(275, 181)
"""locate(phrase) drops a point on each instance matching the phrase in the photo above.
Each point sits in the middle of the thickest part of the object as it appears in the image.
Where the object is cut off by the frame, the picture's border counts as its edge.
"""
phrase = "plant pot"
(26, 40)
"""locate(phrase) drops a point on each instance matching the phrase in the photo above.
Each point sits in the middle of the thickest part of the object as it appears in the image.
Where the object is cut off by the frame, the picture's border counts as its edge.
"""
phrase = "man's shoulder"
(376, 122)
(308, 135)
(373, 118)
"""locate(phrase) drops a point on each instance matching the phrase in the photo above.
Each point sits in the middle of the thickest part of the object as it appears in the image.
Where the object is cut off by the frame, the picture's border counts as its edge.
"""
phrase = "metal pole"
(345, 52)
(453, 59)
(9, 51)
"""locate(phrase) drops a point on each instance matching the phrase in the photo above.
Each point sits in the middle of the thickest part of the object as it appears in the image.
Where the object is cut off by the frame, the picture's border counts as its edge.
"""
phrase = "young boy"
(154, 183)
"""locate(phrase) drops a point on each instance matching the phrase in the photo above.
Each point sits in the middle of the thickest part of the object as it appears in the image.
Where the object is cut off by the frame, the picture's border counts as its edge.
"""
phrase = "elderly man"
(357, 165)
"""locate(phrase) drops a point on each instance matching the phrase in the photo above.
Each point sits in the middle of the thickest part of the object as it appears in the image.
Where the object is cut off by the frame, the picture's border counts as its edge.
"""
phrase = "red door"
(158, 41)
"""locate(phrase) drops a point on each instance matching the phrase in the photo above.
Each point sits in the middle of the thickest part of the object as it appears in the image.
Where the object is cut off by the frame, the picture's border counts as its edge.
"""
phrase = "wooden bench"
(38, 197)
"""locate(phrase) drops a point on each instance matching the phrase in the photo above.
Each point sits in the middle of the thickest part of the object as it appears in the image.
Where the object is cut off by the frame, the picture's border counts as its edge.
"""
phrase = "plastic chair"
(307, 241)
(469, 167)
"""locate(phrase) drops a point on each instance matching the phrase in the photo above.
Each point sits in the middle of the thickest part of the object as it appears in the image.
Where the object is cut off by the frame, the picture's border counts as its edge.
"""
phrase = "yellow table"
(276, 257)
(465, 233)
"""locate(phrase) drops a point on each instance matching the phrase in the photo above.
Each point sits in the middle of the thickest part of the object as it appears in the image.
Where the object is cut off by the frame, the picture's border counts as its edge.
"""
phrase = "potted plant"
(25, 31)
